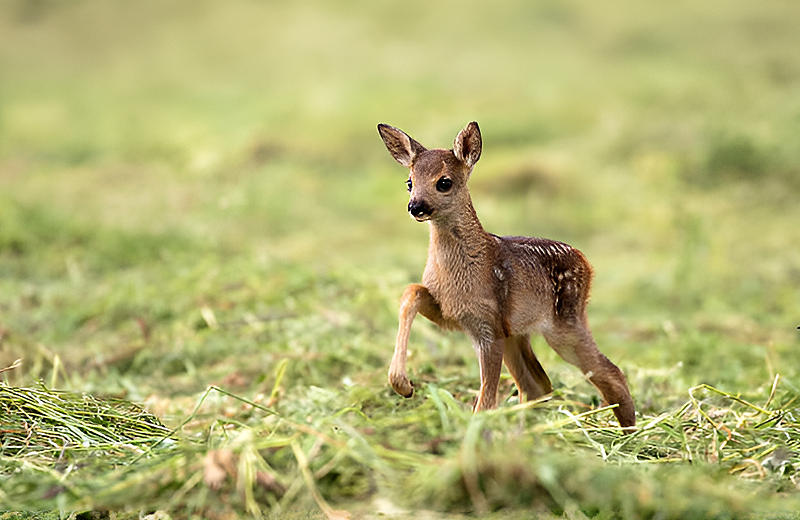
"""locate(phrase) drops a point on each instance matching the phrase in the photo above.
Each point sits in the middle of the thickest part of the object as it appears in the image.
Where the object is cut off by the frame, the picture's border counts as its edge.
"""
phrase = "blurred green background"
(192, 190)
(155, 154)
(149, 149)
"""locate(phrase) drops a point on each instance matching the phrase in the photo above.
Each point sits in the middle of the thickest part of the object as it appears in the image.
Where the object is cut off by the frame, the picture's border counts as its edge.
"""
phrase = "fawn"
(496, 289)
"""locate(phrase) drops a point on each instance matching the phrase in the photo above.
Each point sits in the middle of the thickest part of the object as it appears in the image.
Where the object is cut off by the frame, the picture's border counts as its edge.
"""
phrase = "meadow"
(203, 243)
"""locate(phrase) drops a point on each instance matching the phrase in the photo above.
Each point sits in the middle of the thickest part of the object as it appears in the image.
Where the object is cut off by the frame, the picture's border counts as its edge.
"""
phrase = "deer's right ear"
(400, 145)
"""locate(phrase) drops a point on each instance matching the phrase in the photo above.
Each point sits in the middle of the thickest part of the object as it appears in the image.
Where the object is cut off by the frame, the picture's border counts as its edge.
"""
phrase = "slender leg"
(572, 341)
(415, 299)
(490, 357)
(532, 381)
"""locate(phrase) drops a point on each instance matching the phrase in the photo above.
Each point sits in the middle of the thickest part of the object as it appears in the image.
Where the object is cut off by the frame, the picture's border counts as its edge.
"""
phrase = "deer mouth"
(420, 210)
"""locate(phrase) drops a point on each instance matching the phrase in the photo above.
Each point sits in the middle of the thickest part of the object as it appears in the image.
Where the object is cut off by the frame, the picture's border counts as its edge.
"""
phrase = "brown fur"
(498, 290)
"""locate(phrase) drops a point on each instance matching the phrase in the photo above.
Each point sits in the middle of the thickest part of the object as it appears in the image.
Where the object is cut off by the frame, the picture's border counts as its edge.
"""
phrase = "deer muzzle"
(420, 210)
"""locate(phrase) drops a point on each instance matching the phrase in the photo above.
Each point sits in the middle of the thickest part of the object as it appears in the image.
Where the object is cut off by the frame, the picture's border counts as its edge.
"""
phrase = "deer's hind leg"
(415, 299)
(573, 341)
(531, 379)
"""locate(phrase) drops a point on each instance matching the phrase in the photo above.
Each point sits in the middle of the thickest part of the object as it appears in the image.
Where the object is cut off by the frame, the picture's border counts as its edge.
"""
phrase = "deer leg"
(490, 358)
(573, 342)
(415, 299)
(532, 381)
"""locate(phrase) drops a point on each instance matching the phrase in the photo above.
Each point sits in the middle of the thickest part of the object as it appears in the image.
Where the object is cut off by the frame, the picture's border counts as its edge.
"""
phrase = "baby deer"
(496, 289)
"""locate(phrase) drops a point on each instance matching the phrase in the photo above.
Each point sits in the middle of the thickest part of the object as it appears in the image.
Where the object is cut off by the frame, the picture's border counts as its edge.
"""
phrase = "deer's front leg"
(490, 357)
(415, 299)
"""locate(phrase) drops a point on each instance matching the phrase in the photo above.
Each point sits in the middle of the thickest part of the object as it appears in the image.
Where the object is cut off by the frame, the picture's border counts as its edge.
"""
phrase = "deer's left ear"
(467, 146)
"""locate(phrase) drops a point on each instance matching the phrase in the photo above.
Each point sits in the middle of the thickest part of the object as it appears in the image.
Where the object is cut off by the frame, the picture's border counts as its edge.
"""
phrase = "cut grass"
(538, 456)
(38, 422)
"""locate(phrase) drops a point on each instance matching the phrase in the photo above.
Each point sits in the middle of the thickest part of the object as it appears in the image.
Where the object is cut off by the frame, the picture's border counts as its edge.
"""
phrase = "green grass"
(197, 216)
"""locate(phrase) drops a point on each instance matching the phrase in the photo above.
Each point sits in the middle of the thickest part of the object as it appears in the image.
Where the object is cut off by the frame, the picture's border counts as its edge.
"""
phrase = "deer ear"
(467, 146)
(403, 148)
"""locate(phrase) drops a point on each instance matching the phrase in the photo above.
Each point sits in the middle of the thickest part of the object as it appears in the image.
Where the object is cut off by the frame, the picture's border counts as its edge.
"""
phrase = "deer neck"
(459, 242)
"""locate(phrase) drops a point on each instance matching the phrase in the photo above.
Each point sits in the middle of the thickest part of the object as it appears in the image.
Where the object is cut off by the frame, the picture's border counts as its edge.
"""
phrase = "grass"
(203, 242)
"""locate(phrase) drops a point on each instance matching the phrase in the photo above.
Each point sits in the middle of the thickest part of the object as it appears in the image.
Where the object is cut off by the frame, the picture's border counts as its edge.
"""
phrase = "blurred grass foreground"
(203, 243)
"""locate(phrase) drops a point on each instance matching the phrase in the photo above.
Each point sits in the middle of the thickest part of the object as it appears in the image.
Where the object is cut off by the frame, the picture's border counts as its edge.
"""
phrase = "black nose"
(419, 209)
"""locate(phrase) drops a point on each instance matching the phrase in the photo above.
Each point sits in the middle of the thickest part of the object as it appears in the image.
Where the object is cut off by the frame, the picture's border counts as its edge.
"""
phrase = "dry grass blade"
(15, 364)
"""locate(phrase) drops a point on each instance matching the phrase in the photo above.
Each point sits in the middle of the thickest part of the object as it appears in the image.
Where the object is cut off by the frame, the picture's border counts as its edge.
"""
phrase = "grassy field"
(203, 243)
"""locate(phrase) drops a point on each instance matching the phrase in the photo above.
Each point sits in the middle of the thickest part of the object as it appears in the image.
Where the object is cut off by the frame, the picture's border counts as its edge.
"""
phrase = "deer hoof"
(402, 385)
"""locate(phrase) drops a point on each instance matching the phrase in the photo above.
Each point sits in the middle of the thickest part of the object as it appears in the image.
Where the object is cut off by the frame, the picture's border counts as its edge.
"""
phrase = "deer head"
(437, 180)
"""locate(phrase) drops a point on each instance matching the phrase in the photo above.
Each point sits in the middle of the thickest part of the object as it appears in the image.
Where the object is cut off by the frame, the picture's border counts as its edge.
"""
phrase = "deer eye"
(409, 184)
(443, 185)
